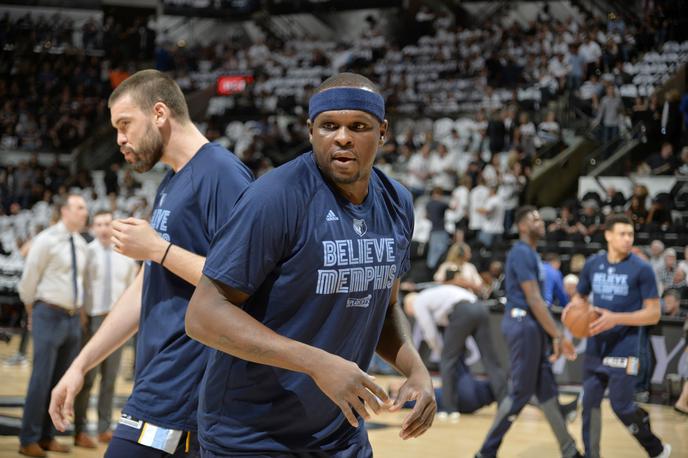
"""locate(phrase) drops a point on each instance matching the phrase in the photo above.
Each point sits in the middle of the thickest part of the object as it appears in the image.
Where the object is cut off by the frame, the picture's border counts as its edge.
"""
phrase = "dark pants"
(531, 374)
(465, 320)
(357, 450)
(108, 370)
(596, 379)
(123, 448)
(56, 338)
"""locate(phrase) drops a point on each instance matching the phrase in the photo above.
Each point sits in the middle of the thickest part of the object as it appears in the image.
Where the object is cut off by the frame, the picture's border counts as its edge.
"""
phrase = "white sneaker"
(454, 417)
(442, 416)
(666, 452)
(16, 360)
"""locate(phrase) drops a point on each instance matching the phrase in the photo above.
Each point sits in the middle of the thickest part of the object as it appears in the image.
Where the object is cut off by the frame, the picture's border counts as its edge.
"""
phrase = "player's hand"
(418, 387)
(606, 321)
(556, 349)
(567, 349)
(350, 388)
(136, 239)
(61, 408)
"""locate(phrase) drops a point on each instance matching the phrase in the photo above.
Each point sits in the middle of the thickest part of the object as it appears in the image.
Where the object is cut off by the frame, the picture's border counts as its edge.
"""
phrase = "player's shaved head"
(348, 80)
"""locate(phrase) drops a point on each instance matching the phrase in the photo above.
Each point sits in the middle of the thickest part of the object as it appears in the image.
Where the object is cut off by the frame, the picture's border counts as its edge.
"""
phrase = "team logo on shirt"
(360, 227)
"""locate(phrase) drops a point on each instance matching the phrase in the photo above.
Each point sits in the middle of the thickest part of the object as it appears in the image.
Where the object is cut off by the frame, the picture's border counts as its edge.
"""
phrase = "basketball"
(578, 319)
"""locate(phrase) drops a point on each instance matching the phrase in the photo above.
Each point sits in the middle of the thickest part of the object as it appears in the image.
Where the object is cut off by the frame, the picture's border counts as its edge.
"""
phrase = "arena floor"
(529, 437)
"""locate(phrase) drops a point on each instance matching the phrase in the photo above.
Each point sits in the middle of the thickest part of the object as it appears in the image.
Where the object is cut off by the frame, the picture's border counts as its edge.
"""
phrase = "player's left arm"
(396, 347)
(136, 239)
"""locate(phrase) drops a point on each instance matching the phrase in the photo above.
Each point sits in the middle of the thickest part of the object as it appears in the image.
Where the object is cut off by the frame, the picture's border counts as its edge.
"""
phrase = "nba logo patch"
(360, 227)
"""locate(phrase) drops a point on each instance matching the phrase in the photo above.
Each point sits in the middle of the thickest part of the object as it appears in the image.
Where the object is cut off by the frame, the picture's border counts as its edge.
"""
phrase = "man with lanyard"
(527, 324)
(623, 290)
(300, 288)
(193, 200)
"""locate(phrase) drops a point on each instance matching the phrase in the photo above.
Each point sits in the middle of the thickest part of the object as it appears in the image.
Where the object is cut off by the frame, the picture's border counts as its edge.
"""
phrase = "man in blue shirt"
(300, 288)
(553, 290)
(527, 327)
(193, 200)
(623, 289)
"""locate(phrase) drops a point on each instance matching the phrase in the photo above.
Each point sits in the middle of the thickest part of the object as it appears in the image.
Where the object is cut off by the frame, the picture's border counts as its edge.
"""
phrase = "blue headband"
(347, 98)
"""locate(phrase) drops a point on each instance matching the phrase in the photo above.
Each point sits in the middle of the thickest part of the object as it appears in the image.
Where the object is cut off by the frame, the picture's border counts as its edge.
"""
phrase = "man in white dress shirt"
(107, 275)
(50, 288)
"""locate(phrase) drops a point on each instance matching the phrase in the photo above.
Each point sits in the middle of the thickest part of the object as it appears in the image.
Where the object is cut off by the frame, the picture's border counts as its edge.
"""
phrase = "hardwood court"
(530, 437)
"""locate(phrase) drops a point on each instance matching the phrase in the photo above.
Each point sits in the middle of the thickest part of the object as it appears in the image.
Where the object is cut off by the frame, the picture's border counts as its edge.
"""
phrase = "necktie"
(107, 278)
(75, 286)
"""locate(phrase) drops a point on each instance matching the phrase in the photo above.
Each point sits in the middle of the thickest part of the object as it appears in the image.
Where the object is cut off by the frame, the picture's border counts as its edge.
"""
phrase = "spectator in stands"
(590, 221)
(682, 167)
(576, 264)
(439, 238)
(591, 53)
(477, 197)
(50, 289)
(683, 265)
(564, 227)
(553, 291)
(614, 200)
(513, 184)
(656, 255)
(570, 284)
(459, 203)
(659, 216)
(665, 273)
(549, 130)
(419, 172)
(443, 168)
(493, 214)
(493, 279)
(496, 132)
(458, 270)
(661, 163)
(671, 122)
(609, 114)
(671, 302)
(637, 212)
(576, 67)
(526, 135)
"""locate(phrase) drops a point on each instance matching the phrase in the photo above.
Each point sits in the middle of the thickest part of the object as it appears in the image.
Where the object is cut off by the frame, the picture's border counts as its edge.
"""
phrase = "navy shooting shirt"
(619, 287)
(319, 270)
(522, 264)
(190, 207)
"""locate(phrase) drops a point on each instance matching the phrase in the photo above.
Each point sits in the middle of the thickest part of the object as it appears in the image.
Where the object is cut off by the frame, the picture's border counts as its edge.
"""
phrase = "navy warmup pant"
(596, 378)
(531, 374)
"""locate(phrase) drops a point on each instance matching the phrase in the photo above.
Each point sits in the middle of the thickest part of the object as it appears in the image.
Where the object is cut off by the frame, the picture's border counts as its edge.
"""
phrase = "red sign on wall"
(233, 84)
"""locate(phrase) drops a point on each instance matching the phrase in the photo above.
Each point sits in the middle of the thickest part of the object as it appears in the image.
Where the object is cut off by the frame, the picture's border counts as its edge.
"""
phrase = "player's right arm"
(214, 319)
(537, 305)
(121, 323)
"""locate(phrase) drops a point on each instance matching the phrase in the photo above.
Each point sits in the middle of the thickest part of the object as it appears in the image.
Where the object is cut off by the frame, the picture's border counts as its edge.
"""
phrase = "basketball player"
(527, 327)
(193, 201)
(300, 288)
(624, 291)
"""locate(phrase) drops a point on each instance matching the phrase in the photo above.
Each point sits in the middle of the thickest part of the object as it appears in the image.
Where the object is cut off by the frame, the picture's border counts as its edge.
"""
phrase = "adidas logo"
(331, 216)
